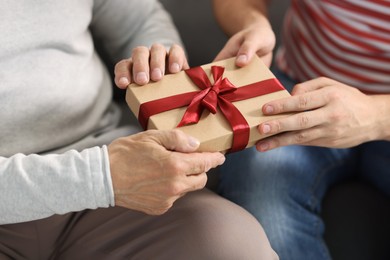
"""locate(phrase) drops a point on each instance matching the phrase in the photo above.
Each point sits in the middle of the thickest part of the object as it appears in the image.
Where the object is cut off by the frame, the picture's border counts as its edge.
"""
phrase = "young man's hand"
(326, 113)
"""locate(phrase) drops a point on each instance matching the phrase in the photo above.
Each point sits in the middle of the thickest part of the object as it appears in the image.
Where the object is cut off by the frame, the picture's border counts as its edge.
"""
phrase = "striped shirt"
(346, 40)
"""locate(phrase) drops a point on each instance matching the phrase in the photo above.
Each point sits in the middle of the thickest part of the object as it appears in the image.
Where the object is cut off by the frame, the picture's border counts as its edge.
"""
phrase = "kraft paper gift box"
(175, 92)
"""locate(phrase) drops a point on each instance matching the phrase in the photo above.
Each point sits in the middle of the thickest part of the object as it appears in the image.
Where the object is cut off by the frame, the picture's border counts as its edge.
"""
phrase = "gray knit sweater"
(56, 102)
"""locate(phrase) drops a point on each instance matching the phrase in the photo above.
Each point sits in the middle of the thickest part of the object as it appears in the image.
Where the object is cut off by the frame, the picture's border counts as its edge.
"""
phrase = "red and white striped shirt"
(346, 40)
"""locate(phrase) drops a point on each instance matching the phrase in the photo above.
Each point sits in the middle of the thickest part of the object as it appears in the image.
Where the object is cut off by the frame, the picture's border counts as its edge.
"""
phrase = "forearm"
(34, 186)
(234, 16)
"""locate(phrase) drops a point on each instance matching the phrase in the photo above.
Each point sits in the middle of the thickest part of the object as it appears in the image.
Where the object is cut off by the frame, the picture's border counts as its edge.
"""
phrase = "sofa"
(357, 217)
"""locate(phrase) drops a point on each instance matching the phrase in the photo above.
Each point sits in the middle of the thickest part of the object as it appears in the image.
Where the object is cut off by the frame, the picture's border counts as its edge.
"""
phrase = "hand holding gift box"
(218, 103)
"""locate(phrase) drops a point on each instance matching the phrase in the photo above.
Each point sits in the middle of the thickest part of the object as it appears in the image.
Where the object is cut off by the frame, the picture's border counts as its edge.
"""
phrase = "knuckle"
(175, 50)
(285, 106)
(140, 49)
(176, 134)
(157, 46)
(207, 165)
(278, 126)
(334, 95)
(303, 120)
(299, 86)
(174, 189)
(336, 117)
(302, 101)
(175, 167)
(204, 164)
(121, 65)
(300, 137)
(175, 46)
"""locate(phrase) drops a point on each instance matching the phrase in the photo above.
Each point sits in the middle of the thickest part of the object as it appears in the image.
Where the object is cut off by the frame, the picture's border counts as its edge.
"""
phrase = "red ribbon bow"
(213, 96)
(220, 94)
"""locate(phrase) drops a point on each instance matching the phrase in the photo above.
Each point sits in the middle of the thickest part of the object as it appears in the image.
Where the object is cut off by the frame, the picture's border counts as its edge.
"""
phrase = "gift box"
(217, 103)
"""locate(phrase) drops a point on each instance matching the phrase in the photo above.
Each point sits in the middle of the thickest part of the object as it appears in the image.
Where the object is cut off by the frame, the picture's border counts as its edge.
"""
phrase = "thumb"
(245, 53)
(225, 53)
(229, 50)
(176, 140)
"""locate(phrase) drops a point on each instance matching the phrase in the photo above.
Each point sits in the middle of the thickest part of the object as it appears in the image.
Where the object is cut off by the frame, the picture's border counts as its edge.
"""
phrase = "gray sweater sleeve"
(140, 23)
(38, 186)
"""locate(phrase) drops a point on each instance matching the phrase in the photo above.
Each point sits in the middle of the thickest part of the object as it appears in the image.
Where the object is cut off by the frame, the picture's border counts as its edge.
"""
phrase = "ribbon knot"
(209, 96)
(213, 96)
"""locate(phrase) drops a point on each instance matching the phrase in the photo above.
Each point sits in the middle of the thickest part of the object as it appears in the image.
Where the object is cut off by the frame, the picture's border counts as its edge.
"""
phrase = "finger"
(267, 59)
(195, 182)
(177, 59)
(296, 103)
(122, 73)
(246, 52)
(140, 57)
(229, 50)
(294, 122)
(176, 140)
(158, 55)
(197, 163)
(304, 137)
(311, 85)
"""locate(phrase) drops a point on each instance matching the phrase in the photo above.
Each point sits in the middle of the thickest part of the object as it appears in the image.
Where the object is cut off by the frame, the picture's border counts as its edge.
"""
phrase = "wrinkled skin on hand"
(152, 169)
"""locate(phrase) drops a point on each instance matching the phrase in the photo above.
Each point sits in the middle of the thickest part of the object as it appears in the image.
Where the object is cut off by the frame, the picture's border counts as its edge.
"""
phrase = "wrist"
(383, 116)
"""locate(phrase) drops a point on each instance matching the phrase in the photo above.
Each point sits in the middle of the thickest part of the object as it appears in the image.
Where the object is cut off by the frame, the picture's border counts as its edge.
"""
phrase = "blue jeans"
(283, 188)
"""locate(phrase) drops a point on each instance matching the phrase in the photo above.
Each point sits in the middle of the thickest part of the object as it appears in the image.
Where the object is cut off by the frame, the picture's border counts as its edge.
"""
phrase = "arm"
(38, 186)
(146, 172)
(246, 22)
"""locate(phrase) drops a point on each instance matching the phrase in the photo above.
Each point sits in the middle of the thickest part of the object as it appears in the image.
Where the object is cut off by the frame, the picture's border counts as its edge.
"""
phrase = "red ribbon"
(220, 94)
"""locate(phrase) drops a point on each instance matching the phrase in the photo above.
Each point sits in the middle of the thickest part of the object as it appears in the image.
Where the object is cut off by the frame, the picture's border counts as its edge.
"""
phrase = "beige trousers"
(200, 226)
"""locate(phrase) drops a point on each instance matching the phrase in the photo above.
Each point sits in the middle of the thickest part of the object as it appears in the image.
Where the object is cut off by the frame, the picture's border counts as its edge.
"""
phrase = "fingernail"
(124, 81)
(223, 158)
(175, 68)
(193, 142)
(141, 77)
(156, 74)
(266, 128)
(242, 59)
(269, 109)
(264, 146)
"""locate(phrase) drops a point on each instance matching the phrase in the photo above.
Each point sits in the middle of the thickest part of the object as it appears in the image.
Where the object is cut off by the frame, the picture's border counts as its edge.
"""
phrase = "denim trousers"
(284, 188)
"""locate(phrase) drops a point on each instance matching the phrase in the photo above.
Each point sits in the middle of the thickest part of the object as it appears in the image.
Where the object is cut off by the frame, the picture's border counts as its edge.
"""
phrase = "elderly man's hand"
(149, 64)
(151, 170)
